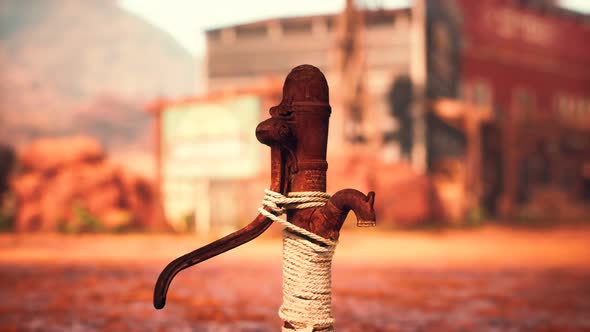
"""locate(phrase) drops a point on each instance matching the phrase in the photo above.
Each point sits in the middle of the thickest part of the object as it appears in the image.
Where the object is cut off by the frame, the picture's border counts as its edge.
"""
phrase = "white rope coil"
(307, 284)
(307, 266)
(278, 204)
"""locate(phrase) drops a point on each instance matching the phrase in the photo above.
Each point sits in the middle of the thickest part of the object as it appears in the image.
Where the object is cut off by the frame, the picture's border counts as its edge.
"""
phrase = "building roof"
(370, 17)
(374, 16)
(270, 88)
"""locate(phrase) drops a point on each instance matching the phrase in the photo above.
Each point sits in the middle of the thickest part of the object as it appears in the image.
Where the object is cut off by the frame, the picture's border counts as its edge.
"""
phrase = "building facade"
(250, 54)
(526, 62)
(470, 104)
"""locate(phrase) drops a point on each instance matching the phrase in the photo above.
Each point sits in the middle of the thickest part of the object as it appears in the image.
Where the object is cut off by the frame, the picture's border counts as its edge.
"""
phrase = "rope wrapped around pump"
(307, 266)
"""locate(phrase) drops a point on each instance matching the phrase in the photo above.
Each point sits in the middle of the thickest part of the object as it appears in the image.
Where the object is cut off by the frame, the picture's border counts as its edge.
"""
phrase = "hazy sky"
(186, 20)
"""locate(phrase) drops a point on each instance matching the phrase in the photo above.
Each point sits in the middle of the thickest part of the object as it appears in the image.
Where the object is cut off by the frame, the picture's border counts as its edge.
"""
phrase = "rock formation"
(69, 184)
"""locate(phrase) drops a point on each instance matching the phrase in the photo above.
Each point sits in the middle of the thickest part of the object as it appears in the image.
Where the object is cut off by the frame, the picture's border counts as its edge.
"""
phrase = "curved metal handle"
(246, 234)
(305, 92)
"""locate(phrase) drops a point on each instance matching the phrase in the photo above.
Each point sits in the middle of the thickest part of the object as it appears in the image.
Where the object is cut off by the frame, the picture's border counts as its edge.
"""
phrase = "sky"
(186, 20)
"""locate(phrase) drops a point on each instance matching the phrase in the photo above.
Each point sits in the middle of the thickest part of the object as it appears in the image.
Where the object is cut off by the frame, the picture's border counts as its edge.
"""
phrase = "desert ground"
(492, 278)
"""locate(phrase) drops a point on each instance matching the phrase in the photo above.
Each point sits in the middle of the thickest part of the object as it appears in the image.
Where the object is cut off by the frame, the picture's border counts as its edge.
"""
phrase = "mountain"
(84, 67)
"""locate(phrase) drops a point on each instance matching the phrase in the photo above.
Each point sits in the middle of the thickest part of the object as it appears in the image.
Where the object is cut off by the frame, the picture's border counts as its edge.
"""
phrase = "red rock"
(70, 183)
(49, 154)
(7, 159)
(101, 199)
(26, 186)
(115, 218)
(28, 216)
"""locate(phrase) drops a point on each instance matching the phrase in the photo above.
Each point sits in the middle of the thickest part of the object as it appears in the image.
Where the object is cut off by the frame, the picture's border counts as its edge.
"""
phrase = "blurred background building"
(448, 109)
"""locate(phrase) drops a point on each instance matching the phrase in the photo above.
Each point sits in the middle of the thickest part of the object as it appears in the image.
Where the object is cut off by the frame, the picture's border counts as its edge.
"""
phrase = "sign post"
(471, 118)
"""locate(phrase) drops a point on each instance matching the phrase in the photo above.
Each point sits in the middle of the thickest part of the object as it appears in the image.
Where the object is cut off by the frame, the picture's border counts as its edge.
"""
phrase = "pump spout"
(337, 208)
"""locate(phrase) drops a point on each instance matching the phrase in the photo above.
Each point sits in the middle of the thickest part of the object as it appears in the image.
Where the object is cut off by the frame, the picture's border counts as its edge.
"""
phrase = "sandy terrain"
(489, 279)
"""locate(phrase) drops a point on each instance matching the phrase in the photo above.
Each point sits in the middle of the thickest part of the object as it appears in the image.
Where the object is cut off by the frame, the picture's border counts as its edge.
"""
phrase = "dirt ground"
(488, 279)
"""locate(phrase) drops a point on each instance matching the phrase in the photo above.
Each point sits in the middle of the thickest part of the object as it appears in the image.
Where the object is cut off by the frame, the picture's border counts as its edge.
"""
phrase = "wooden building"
(528, 63)
(486, 103)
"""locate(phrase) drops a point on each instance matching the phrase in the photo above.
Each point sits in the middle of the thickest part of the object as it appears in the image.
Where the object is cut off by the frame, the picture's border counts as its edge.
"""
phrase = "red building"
(468, 105)
(528, 63)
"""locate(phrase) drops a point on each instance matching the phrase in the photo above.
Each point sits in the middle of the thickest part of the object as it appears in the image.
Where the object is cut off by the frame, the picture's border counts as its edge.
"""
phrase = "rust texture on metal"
(297, 133)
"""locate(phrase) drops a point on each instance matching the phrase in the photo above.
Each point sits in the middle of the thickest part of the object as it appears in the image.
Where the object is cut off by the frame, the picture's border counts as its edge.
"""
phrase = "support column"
(203, 206)
(418, 77)
(510, 167)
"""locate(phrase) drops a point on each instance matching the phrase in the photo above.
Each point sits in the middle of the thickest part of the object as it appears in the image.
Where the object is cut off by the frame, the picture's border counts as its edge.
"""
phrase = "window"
(482, 93)
(251, 31)
(571, 109)
(524, 101)
(379, 19)
(214, 34)
(296, 27)
(477, 91)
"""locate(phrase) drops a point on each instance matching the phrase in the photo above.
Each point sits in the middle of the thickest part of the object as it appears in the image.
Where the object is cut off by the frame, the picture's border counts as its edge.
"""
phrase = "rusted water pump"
(297, 134)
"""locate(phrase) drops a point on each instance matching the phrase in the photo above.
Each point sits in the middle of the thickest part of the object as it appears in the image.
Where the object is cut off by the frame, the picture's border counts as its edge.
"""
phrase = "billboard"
(213, 140)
